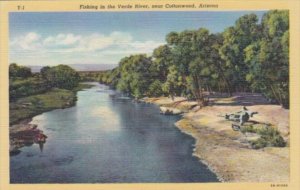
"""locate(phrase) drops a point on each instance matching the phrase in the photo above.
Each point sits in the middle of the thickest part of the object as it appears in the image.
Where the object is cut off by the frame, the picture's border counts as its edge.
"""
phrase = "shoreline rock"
(170, 111)
(24, 134)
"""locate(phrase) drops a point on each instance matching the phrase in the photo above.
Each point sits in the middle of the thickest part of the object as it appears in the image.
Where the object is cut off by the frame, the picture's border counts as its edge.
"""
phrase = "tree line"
(22, 82)
(250, 56)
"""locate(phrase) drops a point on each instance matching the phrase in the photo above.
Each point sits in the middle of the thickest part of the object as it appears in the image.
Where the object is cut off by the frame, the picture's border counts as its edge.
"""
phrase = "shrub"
(269, 136)
(249, 129)
(259, 143)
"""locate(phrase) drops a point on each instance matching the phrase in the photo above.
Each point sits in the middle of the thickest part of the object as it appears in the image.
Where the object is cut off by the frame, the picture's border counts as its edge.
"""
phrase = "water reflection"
(109, 119)
(41, 145)
(109, 140)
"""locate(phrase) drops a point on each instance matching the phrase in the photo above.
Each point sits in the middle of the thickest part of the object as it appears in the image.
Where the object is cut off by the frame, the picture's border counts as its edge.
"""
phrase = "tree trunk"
(227, 84)
(278, 99)
(200, 97)
(219, 87)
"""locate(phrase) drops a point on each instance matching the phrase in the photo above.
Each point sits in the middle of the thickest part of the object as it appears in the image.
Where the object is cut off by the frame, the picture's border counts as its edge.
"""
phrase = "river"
(108, 140)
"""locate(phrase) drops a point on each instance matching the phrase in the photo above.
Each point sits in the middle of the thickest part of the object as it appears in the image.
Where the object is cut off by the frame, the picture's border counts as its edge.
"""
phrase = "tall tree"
(269, 58)
(135, 75)
(236, 39)
(191, 51)
(162, 60)
(174, 84)
(222, 72)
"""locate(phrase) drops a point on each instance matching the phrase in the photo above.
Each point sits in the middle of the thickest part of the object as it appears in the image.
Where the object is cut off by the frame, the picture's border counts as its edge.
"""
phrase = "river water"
(108, 140)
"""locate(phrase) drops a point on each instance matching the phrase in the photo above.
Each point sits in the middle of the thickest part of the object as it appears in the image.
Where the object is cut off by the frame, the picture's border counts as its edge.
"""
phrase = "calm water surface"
(108, 140)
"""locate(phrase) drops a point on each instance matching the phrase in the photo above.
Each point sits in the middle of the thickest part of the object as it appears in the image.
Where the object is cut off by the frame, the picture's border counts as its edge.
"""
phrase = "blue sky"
(101, 37)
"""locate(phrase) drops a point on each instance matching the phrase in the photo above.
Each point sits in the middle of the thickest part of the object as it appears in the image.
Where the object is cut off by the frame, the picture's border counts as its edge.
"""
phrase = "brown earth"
(24, 134)
(227, 152)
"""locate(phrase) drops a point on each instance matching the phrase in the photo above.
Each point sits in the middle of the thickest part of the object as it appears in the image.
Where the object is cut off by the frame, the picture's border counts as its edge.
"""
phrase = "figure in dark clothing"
(241, 116)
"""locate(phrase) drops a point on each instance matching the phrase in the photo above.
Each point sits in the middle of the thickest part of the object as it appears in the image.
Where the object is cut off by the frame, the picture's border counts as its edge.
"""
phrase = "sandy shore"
(226, 152)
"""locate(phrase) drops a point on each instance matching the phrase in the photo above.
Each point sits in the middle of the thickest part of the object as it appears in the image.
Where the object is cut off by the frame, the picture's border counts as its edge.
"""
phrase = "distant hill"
(81, 67)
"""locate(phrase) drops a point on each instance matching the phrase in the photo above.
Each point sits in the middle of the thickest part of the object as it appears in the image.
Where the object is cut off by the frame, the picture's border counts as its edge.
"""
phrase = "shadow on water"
(159, 134)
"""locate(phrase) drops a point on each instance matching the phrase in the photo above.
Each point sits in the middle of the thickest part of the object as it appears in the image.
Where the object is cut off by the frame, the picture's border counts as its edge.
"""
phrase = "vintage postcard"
(149, 95)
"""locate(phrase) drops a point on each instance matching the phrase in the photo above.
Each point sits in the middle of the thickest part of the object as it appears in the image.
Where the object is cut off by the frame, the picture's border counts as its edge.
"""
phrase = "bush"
(259, 143)
(25, 87)
(249, 129)
(269, 136)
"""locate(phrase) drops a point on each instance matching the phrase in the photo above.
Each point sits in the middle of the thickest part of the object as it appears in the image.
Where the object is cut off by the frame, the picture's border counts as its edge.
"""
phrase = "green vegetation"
(33, 105)
(269, 136)
(247, 57)
(32, 94)
(61, 76)
(136, 75)
(19, 71)
(21, 85)
(81, 86)
(88, 76)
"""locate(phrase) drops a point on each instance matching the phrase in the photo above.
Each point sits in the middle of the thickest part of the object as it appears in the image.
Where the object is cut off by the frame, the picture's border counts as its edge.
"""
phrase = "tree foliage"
(250, 56)
(24, 83)
(19, 71)
(268, 58)
(61, 76)
(135, 75)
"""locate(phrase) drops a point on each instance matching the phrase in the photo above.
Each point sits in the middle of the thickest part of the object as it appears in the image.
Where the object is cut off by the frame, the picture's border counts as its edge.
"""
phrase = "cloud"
(61, 39)
(69, 47)
(78, 43)
(145, 46)
(30, 41)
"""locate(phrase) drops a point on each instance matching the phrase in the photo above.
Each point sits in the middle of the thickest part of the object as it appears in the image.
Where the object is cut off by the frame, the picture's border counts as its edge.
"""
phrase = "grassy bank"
(23, 133)
(55, 98)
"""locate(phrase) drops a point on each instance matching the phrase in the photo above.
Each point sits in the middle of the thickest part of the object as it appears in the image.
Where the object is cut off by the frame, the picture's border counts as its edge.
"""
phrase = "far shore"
(227, 152)
(21, 132)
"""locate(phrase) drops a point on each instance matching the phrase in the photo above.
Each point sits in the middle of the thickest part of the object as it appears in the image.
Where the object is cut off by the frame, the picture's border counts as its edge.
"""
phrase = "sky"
(39, 39)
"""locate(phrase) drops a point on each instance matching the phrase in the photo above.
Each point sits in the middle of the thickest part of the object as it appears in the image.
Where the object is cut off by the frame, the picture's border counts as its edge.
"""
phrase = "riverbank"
(21, 111)
(227, 152)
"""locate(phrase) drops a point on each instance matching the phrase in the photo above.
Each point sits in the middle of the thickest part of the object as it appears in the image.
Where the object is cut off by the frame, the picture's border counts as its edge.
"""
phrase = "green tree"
(19, 71)
(220, 78)
(174, 83)
(44, 71)
(162, 60)
(61, 76)
(155, 89)
(191, 51)
(248, 56)
(236, 39)
(269, 58)
(135, 75)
